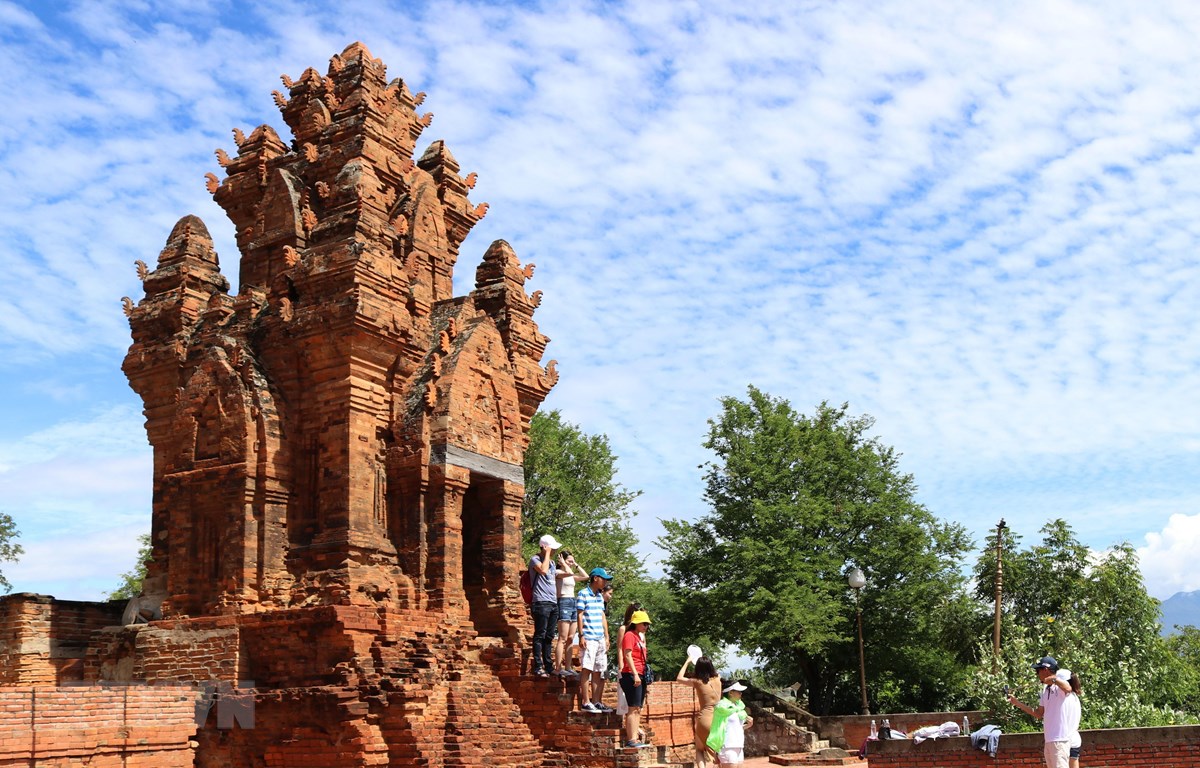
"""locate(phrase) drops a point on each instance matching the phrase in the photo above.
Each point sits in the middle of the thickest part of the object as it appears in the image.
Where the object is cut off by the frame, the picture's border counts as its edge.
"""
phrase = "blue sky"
(977, 224)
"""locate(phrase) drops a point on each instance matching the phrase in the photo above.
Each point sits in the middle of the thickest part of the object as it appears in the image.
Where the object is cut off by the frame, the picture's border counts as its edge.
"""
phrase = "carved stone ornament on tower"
(338, 447)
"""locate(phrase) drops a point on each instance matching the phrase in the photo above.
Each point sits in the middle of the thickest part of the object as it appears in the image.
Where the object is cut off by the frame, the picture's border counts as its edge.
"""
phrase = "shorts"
(1073, 753)
(566, 609)
(595, 656)
(731, 756)
(634, 694)
(1055, 753)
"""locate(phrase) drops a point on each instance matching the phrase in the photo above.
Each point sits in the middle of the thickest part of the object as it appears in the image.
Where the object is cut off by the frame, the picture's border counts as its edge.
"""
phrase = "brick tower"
(338, 452)
(344, 430)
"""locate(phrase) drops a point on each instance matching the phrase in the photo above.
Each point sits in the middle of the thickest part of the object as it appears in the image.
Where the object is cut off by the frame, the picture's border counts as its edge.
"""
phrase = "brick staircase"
(789, 732)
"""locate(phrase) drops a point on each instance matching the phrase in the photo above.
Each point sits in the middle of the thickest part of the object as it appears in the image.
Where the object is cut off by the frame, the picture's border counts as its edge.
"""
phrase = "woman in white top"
(1076, 742)
(567, 617)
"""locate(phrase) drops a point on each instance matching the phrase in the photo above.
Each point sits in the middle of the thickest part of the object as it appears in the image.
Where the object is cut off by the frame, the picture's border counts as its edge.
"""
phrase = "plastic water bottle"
(966, 726)
(886, 724)
(874, 730)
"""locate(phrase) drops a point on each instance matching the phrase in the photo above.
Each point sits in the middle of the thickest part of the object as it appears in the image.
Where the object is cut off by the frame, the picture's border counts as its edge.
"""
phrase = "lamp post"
(999, 589)
(857, 581)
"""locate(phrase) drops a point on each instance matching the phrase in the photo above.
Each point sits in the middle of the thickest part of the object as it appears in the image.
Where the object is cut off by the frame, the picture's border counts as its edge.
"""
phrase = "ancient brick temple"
(337, 483)
(338, 447)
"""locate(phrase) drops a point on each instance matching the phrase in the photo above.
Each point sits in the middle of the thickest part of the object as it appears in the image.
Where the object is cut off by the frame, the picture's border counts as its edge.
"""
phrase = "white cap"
(735, 686)
(1064, 675)
(549, 541)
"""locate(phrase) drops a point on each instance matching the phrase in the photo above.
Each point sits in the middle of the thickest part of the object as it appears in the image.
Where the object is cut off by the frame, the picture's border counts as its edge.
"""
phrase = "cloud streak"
(977, 224)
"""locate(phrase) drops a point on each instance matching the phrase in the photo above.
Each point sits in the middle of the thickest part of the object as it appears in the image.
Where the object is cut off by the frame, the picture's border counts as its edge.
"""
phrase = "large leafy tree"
(1091, 611)
(796, 501)
(571, 492)
(10, 551)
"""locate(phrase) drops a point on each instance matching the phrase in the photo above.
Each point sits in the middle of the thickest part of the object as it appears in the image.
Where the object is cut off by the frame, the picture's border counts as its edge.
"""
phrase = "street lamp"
(857, 581)
(999, 589)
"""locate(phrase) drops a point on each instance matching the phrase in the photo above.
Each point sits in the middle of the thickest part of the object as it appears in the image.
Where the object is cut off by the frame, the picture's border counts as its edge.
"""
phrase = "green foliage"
(1184, 648)
(131, 581)
(571, 492)
(672, 630)
(10, 551)
(1092, 613)
(797, 501)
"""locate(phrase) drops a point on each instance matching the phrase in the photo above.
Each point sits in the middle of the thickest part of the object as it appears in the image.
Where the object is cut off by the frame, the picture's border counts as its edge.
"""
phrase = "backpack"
(526, 585)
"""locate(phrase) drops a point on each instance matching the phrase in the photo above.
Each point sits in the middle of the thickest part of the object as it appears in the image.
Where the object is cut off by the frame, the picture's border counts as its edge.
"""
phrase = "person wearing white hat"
(730, 721)
(544, 606)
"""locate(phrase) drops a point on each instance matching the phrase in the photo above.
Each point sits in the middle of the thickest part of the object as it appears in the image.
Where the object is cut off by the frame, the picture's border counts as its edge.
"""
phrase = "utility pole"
(999, 589)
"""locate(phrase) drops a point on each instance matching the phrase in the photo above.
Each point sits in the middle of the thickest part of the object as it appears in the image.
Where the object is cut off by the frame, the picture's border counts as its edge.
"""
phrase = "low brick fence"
(850, 731)
(97, 726)
(1171, 747)
(43, 640)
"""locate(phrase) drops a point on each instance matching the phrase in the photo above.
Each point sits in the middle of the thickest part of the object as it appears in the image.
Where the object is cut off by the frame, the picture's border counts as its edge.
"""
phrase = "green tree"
(1184, 648)
(131, 581)
(796, 502)
(571, 492)
(10, 551)
(1091, 611)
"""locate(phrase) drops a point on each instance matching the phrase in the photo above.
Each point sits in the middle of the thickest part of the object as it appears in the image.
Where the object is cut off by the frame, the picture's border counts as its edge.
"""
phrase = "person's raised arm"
(681, 677)
(1034, 713)
(579, 569)
(543, 565)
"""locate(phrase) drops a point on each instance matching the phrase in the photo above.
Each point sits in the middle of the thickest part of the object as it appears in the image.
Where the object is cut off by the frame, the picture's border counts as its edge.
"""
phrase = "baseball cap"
(639, 617)
(601, 573)
(1047, 662)
(735, 686)
(549, 541)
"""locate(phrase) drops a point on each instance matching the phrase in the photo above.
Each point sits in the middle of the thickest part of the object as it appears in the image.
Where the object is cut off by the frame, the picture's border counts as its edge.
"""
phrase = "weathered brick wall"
(850, 731)
(1174, 747)
(43, 640)
(573, 738)
(99, 727)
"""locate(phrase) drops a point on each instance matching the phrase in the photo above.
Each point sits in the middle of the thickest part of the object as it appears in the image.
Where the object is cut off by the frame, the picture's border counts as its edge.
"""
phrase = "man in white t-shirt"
(1058, 708)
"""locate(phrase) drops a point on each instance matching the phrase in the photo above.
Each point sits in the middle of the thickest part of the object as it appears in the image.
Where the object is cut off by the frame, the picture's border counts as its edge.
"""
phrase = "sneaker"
(636, 744)
(567, 674)
(590, 707)
(601, 706)
(541, 673)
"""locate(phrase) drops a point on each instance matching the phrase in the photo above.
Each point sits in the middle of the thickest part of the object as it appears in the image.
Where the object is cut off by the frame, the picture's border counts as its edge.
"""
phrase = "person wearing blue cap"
(1058, 708)
(593, 641)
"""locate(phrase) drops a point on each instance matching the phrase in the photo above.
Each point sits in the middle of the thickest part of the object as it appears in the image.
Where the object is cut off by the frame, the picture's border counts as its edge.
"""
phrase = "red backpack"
(526, 587)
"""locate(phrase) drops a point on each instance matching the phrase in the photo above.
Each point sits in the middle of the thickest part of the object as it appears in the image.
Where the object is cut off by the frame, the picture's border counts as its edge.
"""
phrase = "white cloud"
(1169, 556)
(977, 223)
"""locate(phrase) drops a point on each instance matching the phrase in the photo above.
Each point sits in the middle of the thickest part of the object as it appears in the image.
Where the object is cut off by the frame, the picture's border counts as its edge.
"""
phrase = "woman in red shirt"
(633, 666)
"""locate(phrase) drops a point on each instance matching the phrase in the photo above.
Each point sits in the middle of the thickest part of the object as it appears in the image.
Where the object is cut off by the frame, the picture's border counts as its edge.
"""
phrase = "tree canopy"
(10, 551)
(796, 502)
(571, 492)
(131, 580)
(1090, 610)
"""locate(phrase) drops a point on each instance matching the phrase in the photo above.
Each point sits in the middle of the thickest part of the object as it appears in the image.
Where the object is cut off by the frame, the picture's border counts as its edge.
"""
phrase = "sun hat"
(734, 686)
(639, 617)
(549, 541)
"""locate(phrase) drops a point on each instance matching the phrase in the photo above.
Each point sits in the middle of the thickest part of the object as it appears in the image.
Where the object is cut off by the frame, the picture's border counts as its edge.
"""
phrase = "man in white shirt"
(1058, 708)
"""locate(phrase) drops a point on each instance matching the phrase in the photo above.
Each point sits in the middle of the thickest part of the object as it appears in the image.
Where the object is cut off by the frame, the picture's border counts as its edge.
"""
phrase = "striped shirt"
(591, 606)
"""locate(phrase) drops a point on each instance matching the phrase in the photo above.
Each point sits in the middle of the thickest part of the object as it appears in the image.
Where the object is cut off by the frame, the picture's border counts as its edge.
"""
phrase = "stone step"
(815, 759)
